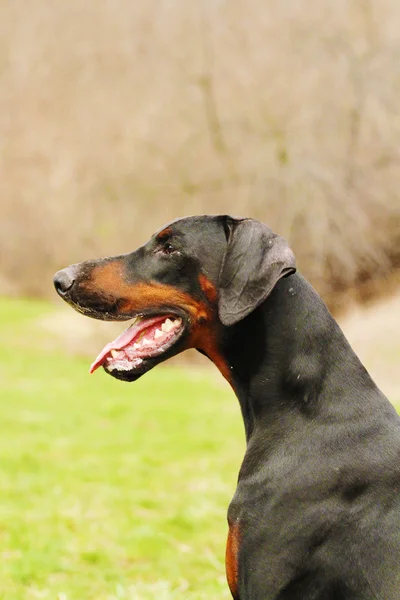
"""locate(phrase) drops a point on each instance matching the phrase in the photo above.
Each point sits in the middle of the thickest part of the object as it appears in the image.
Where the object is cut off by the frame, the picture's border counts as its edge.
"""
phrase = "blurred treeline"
(117, 116)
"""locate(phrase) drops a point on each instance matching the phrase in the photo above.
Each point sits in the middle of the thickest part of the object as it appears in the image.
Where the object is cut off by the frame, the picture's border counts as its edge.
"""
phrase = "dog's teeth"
(146, 342)
(158, 333)
(114, 353)
(167, 325)
(136, 346)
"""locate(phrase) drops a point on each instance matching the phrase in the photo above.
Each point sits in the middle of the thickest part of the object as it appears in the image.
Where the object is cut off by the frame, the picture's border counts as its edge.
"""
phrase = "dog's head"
(192, 279)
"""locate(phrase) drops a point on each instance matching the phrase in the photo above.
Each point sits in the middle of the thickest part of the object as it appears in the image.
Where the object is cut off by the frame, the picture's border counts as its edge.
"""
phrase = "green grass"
(110, 490)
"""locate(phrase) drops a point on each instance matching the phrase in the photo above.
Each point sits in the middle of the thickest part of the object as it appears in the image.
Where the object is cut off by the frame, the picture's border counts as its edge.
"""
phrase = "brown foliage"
(116, 117)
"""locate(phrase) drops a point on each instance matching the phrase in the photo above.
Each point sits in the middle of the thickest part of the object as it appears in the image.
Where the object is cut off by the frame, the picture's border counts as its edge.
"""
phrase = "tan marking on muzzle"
(108, 279)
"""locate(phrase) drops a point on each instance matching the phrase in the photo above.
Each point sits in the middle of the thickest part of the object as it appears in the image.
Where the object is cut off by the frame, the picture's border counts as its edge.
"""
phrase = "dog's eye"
(164, 246)
(168, 248)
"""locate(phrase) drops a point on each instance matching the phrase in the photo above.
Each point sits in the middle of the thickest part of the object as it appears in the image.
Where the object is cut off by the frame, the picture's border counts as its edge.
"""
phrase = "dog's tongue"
(124, 339)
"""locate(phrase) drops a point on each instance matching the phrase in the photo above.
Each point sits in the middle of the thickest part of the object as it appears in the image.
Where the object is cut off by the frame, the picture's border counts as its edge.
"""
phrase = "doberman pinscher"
(316, 513)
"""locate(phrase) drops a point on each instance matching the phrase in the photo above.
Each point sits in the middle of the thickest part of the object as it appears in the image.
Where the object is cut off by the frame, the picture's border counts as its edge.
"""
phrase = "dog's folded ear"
(255, 259)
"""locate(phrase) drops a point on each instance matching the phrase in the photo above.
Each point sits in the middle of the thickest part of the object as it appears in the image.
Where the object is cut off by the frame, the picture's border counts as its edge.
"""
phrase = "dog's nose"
(64, 280)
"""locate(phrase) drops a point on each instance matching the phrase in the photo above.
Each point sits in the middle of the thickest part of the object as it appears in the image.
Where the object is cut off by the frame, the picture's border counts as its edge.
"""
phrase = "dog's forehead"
(192, 224)
(170, 227)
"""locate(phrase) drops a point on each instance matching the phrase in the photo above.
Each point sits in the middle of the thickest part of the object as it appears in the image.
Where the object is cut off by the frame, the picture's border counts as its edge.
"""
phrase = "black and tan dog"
(316, 513)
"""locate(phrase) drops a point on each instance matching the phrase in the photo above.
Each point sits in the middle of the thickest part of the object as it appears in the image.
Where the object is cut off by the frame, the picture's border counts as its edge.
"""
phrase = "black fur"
(317, 504)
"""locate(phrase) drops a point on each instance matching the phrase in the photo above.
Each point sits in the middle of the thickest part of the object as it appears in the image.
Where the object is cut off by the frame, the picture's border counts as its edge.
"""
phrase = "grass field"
(110, 490)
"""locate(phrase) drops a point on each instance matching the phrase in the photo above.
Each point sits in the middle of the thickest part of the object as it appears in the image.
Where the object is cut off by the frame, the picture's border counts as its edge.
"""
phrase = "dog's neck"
(281, 356)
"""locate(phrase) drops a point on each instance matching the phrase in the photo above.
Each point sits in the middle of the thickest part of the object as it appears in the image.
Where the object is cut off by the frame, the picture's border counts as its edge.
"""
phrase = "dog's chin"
(128, 376)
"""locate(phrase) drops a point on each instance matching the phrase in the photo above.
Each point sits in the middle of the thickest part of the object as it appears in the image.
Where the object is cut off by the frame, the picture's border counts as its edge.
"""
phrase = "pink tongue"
(124, 339)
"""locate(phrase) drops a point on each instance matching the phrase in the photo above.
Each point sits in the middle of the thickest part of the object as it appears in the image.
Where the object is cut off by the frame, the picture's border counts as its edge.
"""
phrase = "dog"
(316, 512)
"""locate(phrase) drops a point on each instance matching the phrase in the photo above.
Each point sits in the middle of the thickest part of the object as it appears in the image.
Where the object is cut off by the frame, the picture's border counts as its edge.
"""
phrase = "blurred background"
(116, 117)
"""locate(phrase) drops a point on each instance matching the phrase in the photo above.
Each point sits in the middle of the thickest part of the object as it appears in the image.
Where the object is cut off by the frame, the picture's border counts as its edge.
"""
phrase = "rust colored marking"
(164, 234)
(134, 297)
(208, 288)
(205, 339)
(108, 279)
(231, 558)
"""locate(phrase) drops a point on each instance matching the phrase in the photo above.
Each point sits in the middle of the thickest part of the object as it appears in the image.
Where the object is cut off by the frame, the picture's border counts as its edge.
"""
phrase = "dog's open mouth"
(146, 337)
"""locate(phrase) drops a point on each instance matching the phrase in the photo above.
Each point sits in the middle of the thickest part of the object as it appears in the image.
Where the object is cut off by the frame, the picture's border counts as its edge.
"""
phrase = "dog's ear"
(255, 259)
